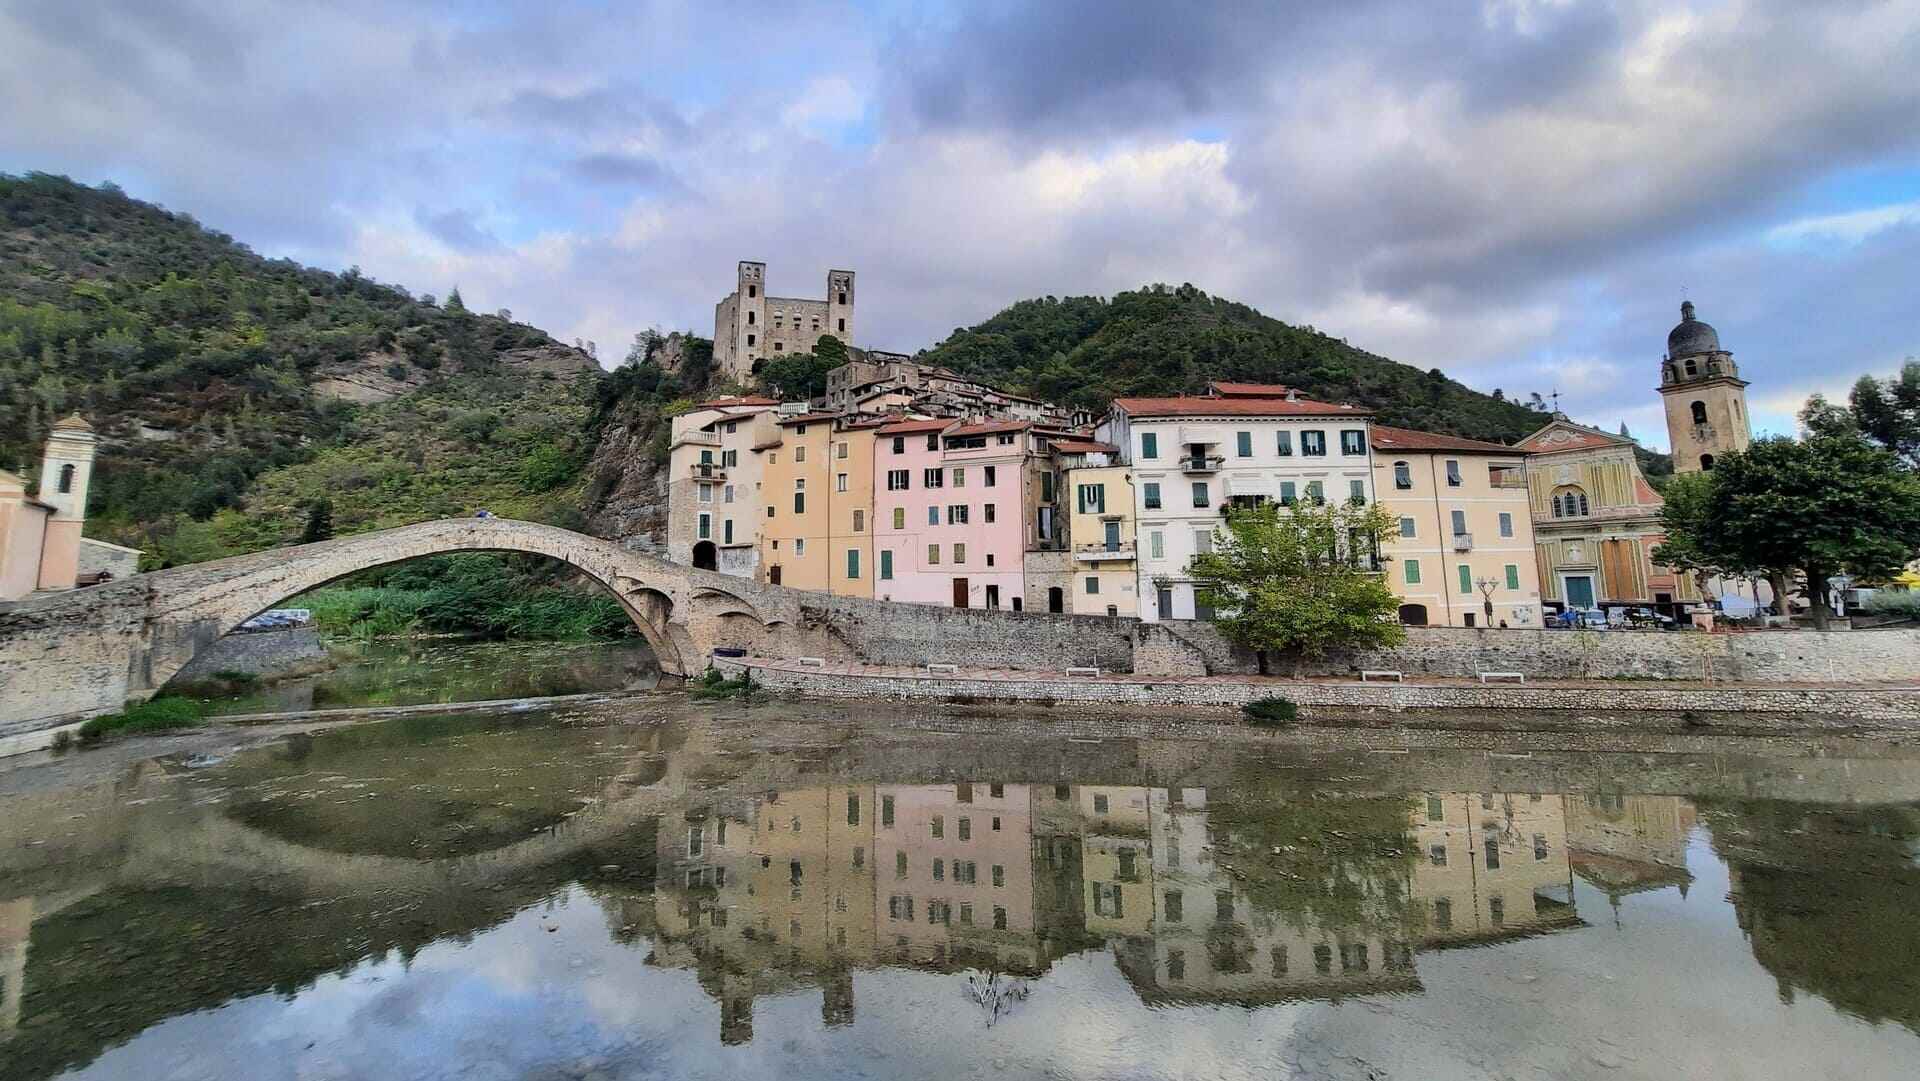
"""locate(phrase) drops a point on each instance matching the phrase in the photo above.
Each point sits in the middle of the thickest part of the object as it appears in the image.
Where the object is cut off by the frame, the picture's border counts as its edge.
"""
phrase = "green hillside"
(232, 392)
(1161, 340)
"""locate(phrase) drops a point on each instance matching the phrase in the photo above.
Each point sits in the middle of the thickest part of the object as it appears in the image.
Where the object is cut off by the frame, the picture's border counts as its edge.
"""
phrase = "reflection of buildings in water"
(956, 875)
(16, 930)
(1490, 865)
(1116, 850)
(1626, 844)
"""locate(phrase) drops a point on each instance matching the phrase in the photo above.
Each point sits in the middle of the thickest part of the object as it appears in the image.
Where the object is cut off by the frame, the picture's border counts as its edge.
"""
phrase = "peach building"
(40, 543)
(954, 872)
(817, 491)
(909, 483)
(1463, 536)
(1490, 864)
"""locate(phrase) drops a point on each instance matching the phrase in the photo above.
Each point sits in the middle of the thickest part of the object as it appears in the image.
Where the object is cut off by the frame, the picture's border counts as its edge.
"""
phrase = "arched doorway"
(1413, 615)
(706, 557)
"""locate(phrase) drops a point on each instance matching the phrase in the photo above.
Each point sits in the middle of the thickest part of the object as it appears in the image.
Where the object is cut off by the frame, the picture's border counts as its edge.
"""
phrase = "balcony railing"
(1202, 463)
(1463, 542)
(709, 471)
(1094, 553)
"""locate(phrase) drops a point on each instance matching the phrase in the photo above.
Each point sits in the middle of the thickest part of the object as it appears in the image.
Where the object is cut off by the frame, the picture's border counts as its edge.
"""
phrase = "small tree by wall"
(1304, 580)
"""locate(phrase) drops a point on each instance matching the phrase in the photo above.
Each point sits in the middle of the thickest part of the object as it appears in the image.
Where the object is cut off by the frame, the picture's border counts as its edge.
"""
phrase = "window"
(1412, 571)
(933, 478)
(1316, 493)
(1466, 578)
(1313, 444)
(1402, 476)
(706, 527)
(853, 563)
(839, 482)
(1005, 440)
(726, 494)
(800, 453)
(1203, 541)
(1356, 492)
(959, 477)
(800, 546)
(966, 913)
(933, 441)
(1283, 444)
(1353, 442)
(859, 520)
(1706, 461)
(1149, 445)
(842, 323)
(706, 493)
(1699, 412)
(939, 870)
(1093, 585)
(933, 555)
(886, 810)
(1459, 518)
(899, 444)
(933, 515)
(1453, 472)
(1092, 498)
(1100, 804)
(886, 565)
(1243, 444)
(993, 474)
(779, 347)
(959, 553)
(750, 317)
(1288, 494)
(1175, 906)
(1497, 911)
(840, 450)
(727, 529)
(899, 517)
(966, 828)
(1443, 914)
(1506, 524)
(1436, 811)
(965, 872)
(939, 826)
(999, 918)
(992, 591)
(956, 514)
(1492, 843)
(899, 865)
(753, 290)
(1200, 494)
(799, 502)
(1406, 527)
(999, 875)
(1569, 501)
(1513, 576)
(1157, 544)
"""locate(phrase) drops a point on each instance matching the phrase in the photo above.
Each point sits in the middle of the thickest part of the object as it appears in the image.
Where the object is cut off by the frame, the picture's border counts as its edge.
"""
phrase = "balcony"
(709, 471)
(1096, 553)
(1201, 463)
(1463, 542)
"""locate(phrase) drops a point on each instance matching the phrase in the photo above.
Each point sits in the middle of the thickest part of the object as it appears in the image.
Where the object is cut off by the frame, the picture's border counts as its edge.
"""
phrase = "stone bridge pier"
(92, 650)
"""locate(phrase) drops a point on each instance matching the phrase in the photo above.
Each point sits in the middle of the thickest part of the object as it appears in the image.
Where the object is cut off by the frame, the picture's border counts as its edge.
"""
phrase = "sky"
(1518, 192)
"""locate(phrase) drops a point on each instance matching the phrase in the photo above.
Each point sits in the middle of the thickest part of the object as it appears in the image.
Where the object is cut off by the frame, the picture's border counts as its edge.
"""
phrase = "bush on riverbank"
(1269, 712)
(492, 596)
(153, 715)
(712, 686)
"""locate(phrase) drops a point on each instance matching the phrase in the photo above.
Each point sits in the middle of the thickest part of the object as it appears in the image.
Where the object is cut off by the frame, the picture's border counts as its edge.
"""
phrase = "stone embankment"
(1799, 707)
(281, 653)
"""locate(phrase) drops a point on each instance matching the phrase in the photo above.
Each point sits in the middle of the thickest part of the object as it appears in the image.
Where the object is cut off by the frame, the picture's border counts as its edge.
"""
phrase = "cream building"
(1463, 530)
(749, 327)
(714, 477)
(1490, 864)
(40, 543)
(1081, 558)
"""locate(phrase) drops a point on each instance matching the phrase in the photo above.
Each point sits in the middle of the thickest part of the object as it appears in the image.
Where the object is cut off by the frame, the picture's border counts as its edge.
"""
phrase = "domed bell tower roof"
(1691, 337)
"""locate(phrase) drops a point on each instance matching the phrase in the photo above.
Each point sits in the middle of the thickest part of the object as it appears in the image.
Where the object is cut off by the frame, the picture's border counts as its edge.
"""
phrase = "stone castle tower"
(750, 327)
(1706, 398)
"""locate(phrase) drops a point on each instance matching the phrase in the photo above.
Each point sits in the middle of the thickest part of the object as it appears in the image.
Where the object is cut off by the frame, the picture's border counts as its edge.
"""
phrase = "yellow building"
(1081, 556)
(1596, 522)
(1462, 550)
(1491, 864)
(817, 489)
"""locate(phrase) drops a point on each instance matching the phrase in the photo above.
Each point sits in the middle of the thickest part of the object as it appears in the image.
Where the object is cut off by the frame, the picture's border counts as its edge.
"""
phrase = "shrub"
(1895, 604)
(713, 686)
(153, 715)
(1267, 712)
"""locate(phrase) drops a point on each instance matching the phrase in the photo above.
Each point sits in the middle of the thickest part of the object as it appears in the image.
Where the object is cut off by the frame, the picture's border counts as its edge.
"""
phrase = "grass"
(154, 715)
(1271, 712)
(712, 686)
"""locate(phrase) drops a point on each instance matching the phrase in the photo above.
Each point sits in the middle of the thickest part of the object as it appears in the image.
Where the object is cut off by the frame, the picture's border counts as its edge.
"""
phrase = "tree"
(830, 351)
(1887, 413)
(796, 376)
(1688, 545)
(454, 303)
(319, 521)
(1831, 504)
(1301, 580)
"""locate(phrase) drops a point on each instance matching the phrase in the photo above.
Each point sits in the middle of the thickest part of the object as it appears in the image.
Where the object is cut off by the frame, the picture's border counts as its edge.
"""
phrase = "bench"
(933, 667)
(812, 662)
(1083, 671)
(1382, 673)
(1517, 676)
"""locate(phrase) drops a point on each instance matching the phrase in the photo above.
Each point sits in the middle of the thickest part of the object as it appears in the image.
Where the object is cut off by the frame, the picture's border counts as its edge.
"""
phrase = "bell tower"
(1705, 397)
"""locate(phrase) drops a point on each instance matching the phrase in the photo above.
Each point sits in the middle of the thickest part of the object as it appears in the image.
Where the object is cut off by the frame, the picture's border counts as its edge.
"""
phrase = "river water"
(657, 888)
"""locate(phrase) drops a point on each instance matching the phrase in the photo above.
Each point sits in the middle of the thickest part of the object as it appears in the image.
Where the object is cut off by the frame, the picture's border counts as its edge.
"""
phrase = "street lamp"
(1487, 586)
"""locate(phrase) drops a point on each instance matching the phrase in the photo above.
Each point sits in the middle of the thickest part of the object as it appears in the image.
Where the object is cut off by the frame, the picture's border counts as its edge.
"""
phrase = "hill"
(1161, 340)
(233, 393)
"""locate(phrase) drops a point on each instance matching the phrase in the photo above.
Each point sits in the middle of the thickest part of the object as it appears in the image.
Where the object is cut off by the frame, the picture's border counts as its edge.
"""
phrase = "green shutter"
(1466, 578)
(1413, 572)
(886, 564)
(1513, 576)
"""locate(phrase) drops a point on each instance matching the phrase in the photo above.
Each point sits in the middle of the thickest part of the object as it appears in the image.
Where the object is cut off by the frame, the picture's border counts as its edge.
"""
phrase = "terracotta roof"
(1250, 390)
(931, 424)
(808, 418)
(1233, 407)
(990, 427)
(1084, 446)
(1385, 438)
(750, 399)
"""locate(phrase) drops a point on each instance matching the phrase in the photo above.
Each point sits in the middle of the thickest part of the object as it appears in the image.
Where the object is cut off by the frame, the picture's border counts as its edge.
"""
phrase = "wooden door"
(959, 592)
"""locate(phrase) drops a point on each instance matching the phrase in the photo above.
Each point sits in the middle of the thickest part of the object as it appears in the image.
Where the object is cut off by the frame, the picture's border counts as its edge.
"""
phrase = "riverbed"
(657, 887)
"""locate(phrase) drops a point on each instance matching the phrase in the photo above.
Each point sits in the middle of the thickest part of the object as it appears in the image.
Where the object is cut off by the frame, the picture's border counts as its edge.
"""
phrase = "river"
(655, 887)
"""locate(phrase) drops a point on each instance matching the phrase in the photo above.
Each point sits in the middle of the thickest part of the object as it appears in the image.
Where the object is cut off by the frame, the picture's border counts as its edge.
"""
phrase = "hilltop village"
(910, 482)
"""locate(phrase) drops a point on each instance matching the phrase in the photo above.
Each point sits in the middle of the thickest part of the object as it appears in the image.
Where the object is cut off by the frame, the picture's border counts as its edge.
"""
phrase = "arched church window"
(1569, 501)
(66, 479)
(1692, 368)
(1706, 461)
(1699, 412)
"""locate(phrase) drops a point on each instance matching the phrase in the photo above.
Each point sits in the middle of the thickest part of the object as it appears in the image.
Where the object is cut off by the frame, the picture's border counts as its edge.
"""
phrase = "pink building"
(949, 502)
(953, 865)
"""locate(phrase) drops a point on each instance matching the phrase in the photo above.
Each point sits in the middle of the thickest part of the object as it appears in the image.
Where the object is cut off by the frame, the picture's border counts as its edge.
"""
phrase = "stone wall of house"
(269, 655)
(111, 558)
(883, 632)
(1798, 708)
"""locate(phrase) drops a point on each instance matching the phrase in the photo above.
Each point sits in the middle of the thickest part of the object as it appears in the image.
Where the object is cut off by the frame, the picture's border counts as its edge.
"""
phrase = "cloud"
(1848, 228)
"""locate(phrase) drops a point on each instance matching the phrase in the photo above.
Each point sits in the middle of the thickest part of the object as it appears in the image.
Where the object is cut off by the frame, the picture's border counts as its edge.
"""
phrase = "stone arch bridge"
(93, 649)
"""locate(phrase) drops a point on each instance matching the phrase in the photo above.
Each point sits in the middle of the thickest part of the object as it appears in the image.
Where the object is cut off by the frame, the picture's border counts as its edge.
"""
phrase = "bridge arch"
(651, 600)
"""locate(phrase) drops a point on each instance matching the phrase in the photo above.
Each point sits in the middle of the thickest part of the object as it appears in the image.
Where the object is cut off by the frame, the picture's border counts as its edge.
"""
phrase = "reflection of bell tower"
(1705, 396)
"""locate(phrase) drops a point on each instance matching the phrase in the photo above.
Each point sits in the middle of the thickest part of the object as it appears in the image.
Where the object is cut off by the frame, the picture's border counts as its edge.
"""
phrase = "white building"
(713, 483)
(1194, 457)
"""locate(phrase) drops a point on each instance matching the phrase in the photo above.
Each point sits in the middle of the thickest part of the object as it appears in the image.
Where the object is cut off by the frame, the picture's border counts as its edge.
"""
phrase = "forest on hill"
(1166, 340)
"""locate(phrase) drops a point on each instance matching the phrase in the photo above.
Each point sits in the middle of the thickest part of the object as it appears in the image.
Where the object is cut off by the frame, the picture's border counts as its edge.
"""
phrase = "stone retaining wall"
(269, 655)
(1815, 707)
